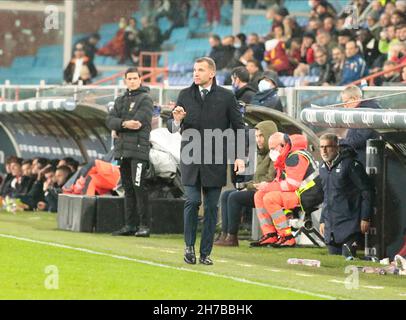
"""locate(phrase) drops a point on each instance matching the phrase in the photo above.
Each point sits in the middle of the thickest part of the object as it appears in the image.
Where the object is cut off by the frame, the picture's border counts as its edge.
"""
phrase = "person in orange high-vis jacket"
(291, 165)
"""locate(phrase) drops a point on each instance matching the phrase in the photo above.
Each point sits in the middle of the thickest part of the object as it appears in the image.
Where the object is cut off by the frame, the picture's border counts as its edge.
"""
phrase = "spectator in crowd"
(242, 61)
(36, 194)
(116, 46)
(217, 52)
(347, 205)
(288, 155)
(325, 40)
(387, 39)
(320, 7)
(150, 35)
(240, 45)
(240, 82)
(131, 120)
(212, 8)
(232, 201)
(206, 178)
(267, 95)
(90, 45)
(279, 16)
(322, 68)
(255, 71)
(257, 46)
(357, 138)
(338, 58)
(80, 68)
(277, 58)
(370, 49)
(344, 36)
(132, 41)
(306, 50)
(228, 48)
(52, 187)
(389, 78)
(291, 28)
(354, 65)
(313, 26)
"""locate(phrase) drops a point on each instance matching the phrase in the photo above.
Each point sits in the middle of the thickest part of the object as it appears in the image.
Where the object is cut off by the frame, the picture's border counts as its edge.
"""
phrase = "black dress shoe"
(142, 232)
(205, 260)
(125, 231)
(190, 256)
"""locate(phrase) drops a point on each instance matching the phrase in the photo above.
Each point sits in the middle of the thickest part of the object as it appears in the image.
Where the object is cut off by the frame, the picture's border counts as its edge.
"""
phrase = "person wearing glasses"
(80, 68)
(347, 204)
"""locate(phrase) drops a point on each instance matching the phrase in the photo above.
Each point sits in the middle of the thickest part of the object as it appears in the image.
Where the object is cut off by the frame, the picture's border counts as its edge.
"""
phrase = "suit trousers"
(211, 197)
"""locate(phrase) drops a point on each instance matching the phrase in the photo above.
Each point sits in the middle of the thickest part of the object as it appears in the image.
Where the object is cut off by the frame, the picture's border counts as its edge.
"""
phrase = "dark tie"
(204, 93)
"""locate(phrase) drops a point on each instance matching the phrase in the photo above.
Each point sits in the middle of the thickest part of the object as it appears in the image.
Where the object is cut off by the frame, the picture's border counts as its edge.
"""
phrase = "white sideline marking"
(155, 264)
(337, 281)
(167, 251)
(374, 287)
(402, 294)
(304, 275)
(273, 270)
(221, 261)
(244, 265)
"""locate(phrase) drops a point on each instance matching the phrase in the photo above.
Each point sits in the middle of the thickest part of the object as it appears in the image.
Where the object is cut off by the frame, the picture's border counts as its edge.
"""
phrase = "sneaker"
(125, 231)
(205, 260)
(285, 242)
(143, 232)
(400, 262)
(260, 242)
(190, 256)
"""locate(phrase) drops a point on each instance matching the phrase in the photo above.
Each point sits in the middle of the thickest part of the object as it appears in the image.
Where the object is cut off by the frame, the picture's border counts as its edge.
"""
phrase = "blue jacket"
(357, 138)
(269, 99)
(354, 69)
(347, 197)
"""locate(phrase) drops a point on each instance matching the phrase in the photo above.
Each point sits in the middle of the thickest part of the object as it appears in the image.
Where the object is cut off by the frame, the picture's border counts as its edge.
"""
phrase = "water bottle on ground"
(305, 262)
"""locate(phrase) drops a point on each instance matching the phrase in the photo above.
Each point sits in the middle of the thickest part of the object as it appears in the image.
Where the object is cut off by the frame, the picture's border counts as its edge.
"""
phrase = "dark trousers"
(211, 197)
(136, 198)
(232, 204)
(348, 247)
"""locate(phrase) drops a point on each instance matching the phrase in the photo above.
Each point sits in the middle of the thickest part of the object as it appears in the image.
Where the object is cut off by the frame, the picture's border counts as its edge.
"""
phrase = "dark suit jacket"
(219, 110)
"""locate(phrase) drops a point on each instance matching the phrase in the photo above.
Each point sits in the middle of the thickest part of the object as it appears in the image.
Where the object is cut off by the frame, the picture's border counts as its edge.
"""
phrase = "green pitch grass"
(86, 275)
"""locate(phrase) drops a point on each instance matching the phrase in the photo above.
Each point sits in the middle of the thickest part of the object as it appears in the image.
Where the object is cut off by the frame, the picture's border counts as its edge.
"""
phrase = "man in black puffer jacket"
(130, 121)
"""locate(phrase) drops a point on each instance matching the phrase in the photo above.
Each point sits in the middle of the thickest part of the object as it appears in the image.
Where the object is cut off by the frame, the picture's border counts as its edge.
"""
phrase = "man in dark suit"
(203, 107)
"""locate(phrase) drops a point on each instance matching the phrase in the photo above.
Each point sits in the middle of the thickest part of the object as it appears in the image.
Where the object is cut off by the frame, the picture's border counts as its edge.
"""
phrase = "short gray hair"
(208, 60)
(352, 92)
(330, 137)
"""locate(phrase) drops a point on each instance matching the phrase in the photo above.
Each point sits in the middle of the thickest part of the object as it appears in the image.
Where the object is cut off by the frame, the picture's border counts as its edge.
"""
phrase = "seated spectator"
(370, 49)
(9, 176)
(217, 52)
(357, 138)
(52, 187)
(116, 46)
(19, 184)
(267, 96)
(240, 82)
(354, 65)
(373, 24)
(279, 16)
(387, 39)
(90, 45)
(132, 40)
(338, 58)
(255, 71)
(69, 162)
(80, 68)
(36, 194)
(389, 77)
(228, 48)
(324, 40)
(291, 28)
(322, 68)
(344, 36)
(240, 45)
(256, 45)
(150, 35)
(277, 58)
(306, 50)
(232, 201)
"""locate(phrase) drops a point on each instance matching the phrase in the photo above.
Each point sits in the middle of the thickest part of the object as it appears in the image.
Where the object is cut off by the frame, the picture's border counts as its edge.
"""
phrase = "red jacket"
(278, 58)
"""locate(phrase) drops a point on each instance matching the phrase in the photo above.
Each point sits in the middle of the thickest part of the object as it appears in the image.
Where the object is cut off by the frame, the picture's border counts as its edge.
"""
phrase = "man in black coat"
(242, 90)
(201, 109)
(357, 138)
(130, 120)
(347, 204)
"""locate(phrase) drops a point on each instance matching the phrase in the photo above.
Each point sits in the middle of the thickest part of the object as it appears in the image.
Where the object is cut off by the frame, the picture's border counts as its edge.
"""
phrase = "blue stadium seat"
(21, 62)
